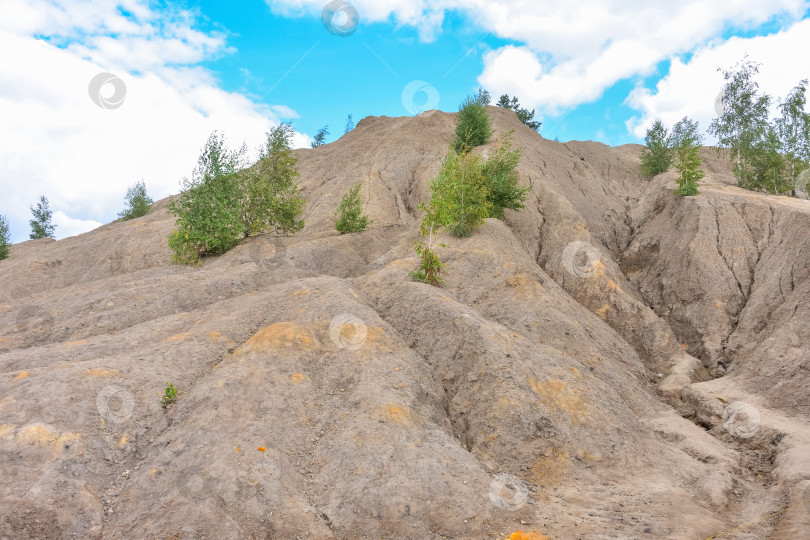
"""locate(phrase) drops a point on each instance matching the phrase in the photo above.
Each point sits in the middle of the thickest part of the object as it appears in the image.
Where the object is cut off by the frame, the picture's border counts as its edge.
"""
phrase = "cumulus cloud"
(567, 53)
(690, 87)
(56, 141)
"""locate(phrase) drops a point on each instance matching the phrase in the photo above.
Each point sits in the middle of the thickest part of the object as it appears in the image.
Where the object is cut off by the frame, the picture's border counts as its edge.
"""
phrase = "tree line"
(767, 154)
(137, 203)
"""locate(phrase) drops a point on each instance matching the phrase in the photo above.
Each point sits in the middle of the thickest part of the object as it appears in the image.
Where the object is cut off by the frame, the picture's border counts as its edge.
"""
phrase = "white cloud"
(55, 141)
(567, 53)
(689, 89)
(67, 226)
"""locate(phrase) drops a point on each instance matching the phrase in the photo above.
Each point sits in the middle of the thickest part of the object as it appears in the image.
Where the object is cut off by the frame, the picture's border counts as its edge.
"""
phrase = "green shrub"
(472, 123)
(502, 179)
(430, 266)
(208, 209)
(41, 226)
(320, 137)
(686, 140)
(524, 115)
(137, 201)
(656, 157)
(461, 189)
(350, 212)
(271, 200)
(5, 238)
(170, 396)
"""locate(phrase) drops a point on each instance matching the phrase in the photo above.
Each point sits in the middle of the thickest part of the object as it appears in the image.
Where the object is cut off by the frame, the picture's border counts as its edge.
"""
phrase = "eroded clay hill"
(612, 362)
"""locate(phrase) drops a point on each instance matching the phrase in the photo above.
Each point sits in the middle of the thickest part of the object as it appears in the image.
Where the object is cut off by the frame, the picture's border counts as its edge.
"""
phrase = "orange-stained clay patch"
(177, 337)
(277, 336)
(529, 535)
(576, 372)
(101, 372)
(298, 378)
(40, 434)
(22, 375)
(683, 346)
(551, 468)
(602, 312)
(304, 291)
(557, 394)
(524, 285)
(72, 343)
(6, 431)
(215, 336)
(397, 414)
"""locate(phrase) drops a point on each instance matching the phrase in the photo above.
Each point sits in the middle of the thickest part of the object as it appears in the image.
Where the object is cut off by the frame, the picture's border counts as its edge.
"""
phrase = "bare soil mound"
(612, 362)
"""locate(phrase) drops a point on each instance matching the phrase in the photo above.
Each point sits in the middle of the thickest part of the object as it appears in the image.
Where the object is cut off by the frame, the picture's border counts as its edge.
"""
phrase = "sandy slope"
(612, 362)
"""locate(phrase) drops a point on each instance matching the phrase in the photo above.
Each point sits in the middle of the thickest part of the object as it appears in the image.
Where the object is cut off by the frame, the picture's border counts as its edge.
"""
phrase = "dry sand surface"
(614, 362)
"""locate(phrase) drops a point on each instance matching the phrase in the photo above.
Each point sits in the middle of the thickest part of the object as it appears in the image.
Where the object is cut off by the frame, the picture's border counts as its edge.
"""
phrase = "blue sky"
(593, 69)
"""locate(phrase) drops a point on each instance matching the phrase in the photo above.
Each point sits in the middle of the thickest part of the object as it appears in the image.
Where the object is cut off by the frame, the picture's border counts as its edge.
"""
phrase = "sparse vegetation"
(224, 201)
(170, 395)
(768, 155)
(502, 179)
(472, 124)
(349, 125)
(350, 212)
(744, 118)
(524, 115)
(656, 158)
(460, 191)
(271, 200)
(5, 238)
(686, 142)
(208, 209)
(320, 137)
(137, 201)
(41, 226)
(430, 266)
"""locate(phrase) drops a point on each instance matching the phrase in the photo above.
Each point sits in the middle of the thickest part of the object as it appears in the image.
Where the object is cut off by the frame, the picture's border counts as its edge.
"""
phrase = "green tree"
(208, 208)
(349, 125)
(744, 118)
(350, 217)
(41, 226)
(472, 123)
(320, 137)
(461, 190)
(524, 115)
(769, 166)
(656, 157)
(793, 131)
(271, 200)
(686, 141)
(5, 238)
(503, 189)
(137, 201)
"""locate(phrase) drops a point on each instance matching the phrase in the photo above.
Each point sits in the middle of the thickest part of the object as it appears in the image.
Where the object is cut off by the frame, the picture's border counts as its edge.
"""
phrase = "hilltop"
(614, 361)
